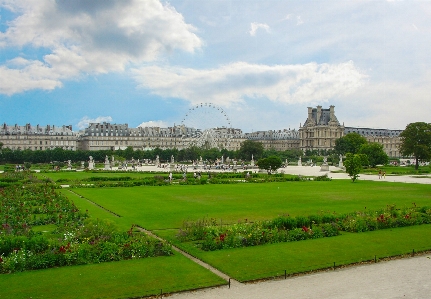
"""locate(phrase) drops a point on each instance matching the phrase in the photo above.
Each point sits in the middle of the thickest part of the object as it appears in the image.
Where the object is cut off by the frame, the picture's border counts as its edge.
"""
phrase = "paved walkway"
(404, 278)
(315, 171)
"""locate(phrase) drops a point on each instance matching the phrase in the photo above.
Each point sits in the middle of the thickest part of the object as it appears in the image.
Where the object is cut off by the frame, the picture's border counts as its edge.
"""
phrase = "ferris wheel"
(206, 126)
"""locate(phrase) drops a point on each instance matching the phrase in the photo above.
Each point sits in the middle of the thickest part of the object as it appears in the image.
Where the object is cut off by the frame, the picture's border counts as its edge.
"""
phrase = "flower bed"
(211, 236)
(214, 237)
(389, 217)
(76, 239)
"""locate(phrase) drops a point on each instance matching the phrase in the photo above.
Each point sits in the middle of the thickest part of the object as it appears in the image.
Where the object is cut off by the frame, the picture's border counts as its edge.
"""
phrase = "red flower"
(222, 236)
(305, 229)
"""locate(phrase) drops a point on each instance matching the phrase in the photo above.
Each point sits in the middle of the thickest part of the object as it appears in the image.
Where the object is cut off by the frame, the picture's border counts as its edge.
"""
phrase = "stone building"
(37, 137)
(320, 129)
(390, 139)
(319, 132)
(279, 140)
(106, 136)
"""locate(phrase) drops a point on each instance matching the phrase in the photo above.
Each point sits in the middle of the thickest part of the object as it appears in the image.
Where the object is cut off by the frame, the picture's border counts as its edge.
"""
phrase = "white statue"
(91, 159)
(106, 159)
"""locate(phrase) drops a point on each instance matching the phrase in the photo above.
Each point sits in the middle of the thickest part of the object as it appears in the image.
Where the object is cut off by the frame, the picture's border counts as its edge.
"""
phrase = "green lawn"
(168, 206)
(399, 170)
(160, 208)
(270, 260)
(124, 279)
(96, 212)
(81, 175)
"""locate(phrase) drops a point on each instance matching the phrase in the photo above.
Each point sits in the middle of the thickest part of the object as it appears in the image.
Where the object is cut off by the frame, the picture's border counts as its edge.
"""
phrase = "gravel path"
(403, 278)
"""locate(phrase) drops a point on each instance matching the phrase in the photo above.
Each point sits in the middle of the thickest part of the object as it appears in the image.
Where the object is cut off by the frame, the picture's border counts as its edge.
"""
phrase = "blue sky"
(263, 62)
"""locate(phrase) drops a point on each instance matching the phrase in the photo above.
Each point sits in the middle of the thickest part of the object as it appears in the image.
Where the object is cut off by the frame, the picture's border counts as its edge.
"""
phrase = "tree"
(375, 153)
(271, 163)
(350, 143)
(249, 148)
(416, 142)
(128, 153)
(27, 165)
(212, 154)
(353, 164)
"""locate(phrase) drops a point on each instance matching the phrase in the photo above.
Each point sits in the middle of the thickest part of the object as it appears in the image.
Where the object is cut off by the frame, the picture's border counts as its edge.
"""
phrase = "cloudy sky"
(147, 62)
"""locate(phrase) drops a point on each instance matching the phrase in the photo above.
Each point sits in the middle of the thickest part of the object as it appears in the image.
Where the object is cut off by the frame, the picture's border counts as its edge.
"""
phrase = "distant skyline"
(264, 62)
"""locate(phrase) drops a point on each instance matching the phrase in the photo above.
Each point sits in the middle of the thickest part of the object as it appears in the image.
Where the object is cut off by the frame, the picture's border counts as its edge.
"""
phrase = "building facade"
(106, 136)
(319, 132)
(37, 137)
(390, 139)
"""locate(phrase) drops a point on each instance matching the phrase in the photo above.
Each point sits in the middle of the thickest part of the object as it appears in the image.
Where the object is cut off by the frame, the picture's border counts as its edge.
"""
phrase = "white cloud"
(85, 121)
(254, 26)
(299, 21)
(95, 36)
(287, 17)
(154, 123)
(307, 83)
(26, 76)
(389, 104)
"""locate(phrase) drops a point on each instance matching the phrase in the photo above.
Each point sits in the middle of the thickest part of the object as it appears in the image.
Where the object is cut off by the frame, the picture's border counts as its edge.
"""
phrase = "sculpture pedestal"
(324, 167)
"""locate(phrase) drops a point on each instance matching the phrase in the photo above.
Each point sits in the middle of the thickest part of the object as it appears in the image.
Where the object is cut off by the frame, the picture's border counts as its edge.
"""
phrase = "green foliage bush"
(280, 229)
(211, 236)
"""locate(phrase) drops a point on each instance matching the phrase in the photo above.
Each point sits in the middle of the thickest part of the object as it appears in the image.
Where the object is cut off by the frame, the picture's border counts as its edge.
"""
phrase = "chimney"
(319, 113)
(331, 112)
(310, 112)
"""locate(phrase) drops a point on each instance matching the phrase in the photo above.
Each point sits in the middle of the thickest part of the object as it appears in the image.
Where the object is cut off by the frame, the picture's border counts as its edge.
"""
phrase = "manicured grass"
(94, 211)
(168, 206)
(81, 175)
(264, 261)
(400, 170)
(124, 279)
(47, 228)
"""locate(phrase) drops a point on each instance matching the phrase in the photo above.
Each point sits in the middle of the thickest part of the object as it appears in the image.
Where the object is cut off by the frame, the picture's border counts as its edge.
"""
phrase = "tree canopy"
(350, 143)
(375, 153)
(416, 142)
(353, 164)
(271, 163)
(249, 148)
